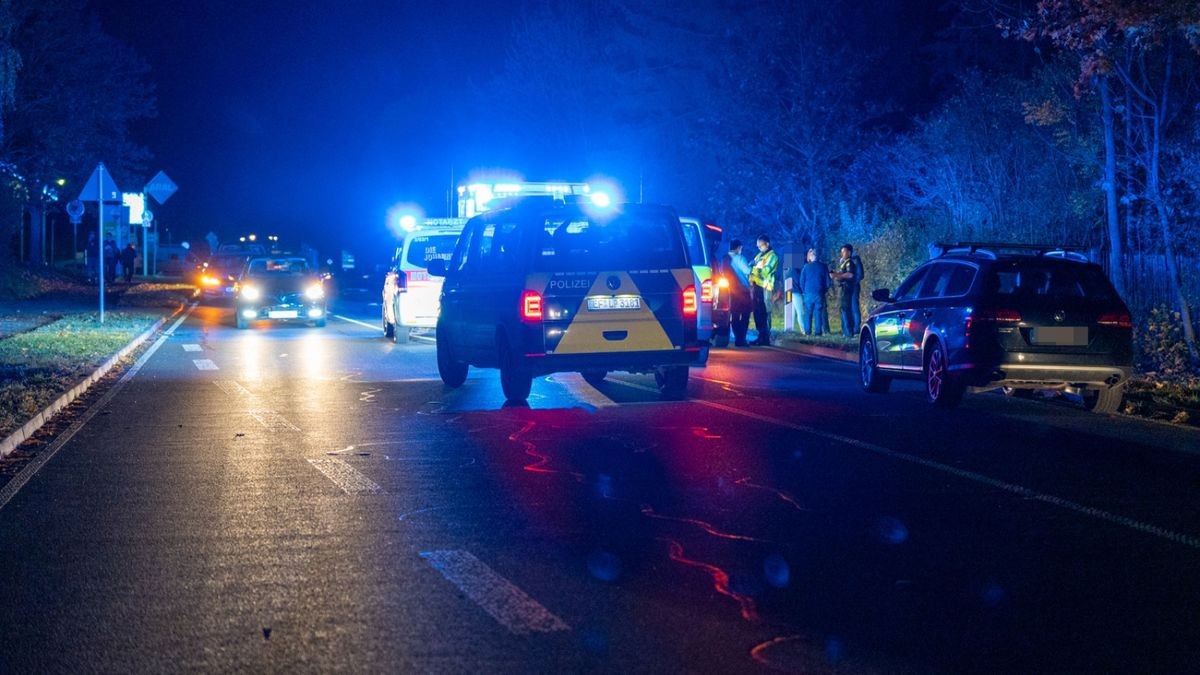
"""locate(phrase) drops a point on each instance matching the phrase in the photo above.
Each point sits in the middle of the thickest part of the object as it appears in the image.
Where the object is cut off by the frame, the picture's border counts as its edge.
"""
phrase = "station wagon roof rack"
(991, 249)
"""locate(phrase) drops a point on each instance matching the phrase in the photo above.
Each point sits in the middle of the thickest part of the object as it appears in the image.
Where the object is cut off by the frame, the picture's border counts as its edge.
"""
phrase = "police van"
(410, 294)
(545, 286)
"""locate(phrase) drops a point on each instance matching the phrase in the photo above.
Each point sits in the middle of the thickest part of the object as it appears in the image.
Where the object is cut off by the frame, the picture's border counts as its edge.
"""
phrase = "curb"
(817, 350)
(27, 430)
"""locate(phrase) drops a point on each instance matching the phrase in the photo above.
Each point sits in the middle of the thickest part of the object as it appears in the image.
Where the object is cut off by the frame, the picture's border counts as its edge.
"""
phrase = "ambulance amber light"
(689, 301)
(722, 283)
(531, 306)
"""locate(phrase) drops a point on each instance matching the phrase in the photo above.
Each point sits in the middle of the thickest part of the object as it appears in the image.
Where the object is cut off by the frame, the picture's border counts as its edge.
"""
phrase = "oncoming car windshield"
(631, 240)
(425, 248)
(277, 267)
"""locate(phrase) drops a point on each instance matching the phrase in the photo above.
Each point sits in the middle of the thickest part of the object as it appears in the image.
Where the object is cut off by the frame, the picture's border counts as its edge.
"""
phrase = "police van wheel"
(400, 334)
(873, 381)
(594, 377)
(672, 381)
(389, 330)
(515, 379)
(453, 373)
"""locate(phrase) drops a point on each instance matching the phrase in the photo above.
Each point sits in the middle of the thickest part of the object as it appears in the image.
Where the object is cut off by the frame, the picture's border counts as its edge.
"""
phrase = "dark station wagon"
(988, 316)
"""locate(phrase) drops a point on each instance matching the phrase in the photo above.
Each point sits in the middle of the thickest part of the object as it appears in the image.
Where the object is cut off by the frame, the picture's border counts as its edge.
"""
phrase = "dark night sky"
(304, 118)
(309, 119)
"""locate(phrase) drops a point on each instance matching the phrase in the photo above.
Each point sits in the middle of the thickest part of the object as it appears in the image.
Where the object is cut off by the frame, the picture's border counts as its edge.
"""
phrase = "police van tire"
(389, 330)
(516, 380)
(453, 373)
(593, 377)
(672, 381)
(401, 333)
(873, 381)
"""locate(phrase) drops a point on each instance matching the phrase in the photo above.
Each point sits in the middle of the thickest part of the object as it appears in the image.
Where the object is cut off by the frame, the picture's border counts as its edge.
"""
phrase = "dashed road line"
(499, 597)
(364, 324)
(192, 348)
(273, 421)
(1012, 488)
(346, 477)
(205, 364)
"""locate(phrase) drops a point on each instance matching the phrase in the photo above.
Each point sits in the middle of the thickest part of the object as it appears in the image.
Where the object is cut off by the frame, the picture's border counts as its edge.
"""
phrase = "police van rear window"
(424, 248)
(628, 241)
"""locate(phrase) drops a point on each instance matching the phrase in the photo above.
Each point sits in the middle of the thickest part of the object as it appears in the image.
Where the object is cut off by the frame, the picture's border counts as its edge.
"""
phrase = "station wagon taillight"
(706, 291)
(531, 306)
(996, 316)
(689, 301)
(1118, 319)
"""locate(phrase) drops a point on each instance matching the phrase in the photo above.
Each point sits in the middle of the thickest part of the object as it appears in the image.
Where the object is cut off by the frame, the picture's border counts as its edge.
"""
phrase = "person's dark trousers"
(851, 314)
(762, 318)
(812, 317)
(128, 271)
(739, 319)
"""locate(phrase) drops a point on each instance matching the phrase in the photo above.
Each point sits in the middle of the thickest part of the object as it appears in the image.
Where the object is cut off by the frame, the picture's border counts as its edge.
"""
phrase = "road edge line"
(10, 489)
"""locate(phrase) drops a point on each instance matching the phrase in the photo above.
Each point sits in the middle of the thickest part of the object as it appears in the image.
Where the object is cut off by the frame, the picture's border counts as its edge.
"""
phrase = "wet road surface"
(288, 498)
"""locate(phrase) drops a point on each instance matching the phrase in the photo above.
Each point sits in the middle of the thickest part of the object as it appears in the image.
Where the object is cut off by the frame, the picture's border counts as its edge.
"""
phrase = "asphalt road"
(298, 499)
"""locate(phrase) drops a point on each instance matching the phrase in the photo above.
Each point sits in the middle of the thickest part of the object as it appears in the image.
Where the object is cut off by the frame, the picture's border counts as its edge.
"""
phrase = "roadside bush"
(1162, 352)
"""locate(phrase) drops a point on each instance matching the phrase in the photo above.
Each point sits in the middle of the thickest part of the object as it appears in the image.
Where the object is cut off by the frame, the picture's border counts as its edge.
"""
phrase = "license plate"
(283, 314)
(1059, 336)
(608, 304)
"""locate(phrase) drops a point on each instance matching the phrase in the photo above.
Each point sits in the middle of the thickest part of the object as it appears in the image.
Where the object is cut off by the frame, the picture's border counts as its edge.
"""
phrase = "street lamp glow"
(253, 238)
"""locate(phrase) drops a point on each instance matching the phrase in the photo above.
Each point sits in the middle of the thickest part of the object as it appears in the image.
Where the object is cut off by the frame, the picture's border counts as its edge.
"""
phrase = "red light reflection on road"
(720, 580)
(745, 482)
(542, 460)
(648, 511)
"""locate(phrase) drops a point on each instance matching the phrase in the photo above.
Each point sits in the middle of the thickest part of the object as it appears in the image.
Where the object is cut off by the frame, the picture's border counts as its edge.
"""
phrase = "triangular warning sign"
(100, 186)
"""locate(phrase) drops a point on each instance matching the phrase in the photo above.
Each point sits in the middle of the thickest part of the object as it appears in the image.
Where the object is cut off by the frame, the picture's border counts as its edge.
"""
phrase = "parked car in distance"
(279, 289)
(545, 287)
(410, 293)
(988, 316)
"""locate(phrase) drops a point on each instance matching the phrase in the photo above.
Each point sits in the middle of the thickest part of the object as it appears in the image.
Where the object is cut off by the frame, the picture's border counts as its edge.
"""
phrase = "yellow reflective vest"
(762, 273)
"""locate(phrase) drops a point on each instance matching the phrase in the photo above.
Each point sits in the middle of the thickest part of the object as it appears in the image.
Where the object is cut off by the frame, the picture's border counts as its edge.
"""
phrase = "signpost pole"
(100, 239)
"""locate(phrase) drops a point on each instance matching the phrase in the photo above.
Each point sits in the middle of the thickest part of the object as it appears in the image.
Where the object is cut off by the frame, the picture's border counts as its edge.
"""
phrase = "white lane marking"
(192, 348)
(18, 481)
(270, 419)
(346, 477)
(1019, 490)
(580, 389)
(204, 364)
(273, 421)
(364, 324)
(498, 596)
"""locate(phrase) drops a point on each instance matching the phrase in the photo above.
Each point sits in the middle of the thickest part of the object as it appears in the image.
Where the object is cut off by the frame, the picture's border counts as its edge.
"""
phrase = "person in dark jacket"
(110, 260)
(812, 284)
(737, 271)
(128, 257)
(849, 274)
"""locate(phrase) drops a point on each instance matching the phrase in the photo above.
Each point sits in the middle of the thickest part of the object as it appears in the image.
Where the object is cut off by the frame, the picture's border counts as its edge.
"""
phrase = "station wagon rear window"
(628, 241)
(424, 248)
(1050, 281)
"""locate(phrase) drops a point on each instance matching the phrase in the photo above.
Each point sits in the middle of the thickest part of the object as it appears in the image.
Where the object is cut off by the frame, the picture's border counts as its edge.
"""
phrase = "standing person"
(92, 254)
(737, 271)
(849, 275)
(762, 286)
(110, 260)
(128, 257)
(814, 282)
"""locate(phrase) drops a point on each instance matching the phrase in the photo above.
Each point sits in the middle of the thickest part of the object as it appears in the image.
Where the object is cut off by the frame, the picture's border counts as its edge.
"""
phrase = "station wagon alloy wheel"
(944, 391)
(873, 381)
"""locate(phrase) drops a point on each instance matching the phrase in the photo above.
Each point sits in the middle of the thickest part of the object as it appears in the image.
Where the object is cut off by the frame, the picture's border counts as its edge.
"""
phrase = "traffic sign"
(75, 210)
(100, 186)
(147, 218)
(161, 187)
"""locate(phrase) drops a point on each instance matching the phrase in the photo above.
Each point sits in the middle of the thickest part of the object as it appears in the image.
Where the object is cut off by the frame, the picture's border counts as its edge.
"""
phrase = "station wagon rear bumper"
(1047, 376)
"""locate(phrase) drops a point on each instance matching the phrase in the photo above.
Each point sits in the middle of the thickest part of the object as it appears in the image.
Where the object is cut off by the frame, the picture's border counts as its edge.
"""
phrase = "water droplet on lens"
(604, 566)
(891, 530)
(776, 571)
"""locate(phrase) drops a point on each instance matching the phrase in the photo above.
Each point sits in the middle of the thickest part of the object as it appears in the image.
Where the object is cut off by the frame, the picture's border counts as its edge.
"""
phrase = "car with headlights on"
(217, 277)
(280, 289)
(1001, 316)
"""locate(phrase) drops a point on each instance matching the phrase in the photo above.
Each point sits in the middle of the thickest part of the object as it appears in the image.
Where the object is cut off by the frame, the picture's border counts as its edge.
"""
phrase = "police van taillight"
(689, 301)
(531, 306)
